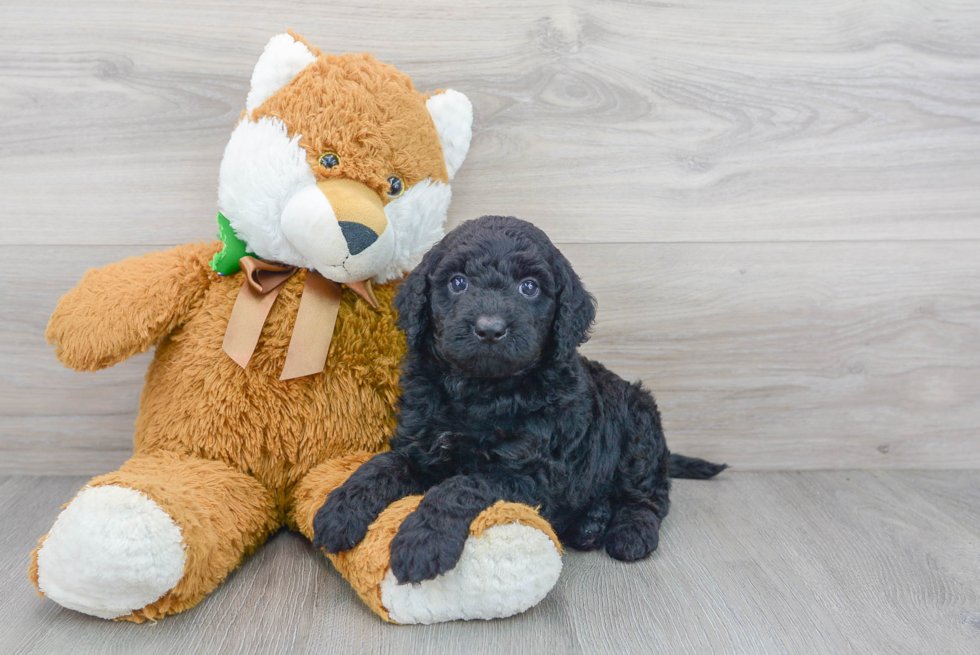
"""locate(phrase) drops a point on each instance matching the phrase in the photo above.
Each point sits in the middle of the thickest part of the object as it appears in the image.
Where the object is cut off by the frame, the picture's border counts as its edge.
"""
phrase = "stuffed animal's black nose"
(490, 329)
(358, 236)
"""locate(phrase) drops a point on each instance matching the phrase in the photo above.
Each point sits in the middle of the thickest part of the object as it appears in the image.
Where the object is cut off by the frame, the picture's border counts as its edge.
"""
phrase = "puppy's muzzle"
(490, 329)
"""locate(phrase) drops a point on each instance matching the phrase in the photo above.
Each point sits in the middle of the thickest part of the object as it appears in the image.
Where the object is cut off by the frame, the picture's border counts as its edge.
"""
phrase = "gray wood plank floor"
(805, 562)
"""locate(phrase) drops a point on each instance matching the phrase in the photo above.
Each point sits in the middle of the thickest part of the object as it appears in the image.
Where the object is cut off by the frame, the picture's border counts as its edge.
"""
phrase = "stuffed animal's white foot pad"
(505, 571)
(111, 551)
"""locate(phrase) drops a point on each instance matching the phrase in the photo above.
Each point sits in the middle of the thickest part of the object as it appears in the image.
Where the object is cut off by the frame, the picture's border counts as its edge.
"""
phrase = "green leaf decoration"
(226, 261)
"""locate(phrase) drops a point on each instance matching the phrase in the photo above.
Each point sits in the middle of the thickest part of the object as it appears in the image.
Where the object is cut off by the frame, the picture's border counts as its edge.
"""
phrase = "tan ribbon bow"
(315, 320)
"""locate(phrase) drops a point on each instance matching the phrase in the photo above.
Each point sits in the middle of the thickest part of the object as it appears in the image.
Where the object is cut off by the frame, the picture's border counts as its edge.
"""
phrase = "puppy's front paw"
(586, 535)
(632, 541)
(419, 553)
(589, 531)
(339, 525)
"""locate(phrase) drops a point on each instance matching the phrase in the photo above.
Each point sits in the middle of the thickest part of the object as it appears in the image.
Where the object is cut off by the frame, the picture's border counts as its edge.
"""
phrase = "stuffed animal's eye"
(529, 288)
(329, 159)
(457, 284)
(396, 186)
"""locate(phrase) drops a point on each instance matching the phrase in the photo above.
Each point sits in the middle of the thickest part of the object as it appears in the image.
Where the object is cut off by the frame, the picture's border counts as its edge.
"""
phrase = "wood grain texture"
(776, 204)
(814, 562)
(821, 355)
(604, 122)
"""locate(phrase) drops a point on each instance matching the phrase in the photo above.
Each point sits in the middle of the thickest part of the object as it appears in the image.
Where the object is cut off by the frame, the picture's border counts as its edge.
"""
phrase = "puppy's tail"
(694, 468)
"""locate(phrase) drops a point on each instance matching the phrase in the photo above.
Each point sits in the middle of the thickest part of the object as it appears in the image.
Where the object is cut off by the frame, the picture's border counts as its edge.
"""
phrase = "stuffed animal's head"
(339, 165)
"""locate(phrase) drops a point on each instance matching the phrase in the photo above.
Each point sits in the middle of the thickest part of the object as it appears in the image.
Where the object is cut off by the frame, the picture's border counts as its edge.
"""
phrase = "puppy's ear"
(412, 300)
(575, 311)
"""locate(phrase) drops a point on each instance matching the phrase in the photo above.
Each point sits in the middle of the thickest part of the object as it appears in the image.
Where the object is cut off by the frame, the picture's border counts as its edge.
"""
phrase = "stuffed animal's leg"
(153, 538)
(510, 561)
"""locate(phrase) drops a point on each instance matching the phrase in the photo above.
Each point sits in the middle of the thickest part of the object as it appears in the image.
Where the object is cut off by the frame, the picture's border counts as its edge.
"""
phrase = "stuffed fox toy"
(276, 366)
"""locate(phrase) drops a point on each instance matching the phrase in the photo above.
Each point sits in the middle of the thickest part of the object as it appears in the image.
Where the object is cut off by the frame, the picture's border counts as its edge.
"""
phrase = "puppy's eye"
(395, 186)
(329, 159)
(529, 288)
(457, 284)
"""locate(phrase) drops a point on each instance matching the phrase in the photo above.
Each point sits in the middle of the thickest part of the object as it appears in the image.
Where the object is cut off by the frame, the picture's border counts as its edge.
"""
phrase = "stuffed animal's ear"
(282, 60)
(412, 301)
(575, 311)
(452, 113)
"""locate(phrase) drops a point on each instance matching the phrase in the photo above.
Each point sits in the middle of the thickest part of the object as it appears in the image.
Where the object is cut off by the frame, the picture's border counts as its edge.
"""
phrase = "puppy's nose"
(490, 329)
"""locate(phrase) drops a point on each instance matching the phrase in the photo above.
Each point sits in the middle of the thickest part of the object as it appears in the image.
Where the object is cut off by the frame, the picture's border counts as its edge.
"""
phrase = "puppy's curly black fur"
(497, 404)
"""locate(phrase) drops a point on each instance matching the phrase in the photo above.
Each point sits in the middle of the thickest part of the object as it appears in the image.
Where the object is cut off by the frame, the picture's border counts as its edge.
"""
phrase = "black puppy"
(498, 405)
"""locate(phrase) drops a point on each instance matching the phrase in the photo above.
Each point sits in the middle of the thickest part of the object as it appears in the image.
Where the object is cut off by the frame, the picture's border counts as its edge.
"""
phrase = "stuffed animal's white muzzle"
(340, 227)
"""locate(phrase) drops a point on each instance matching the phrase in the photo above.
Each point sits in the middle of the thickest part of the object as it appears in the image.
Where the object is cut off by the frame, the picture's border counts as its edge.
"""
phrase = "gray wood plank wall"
(776, 204)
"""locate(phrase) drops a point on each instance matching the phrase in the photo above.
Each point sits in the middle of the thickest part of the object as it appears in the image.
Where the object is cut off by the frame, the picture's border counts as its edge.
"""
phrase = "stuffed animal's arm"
(125, 308)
